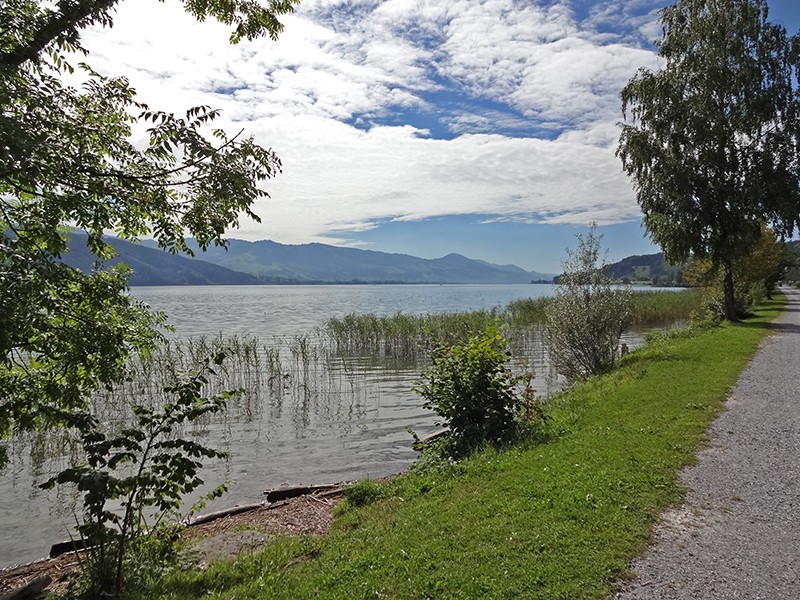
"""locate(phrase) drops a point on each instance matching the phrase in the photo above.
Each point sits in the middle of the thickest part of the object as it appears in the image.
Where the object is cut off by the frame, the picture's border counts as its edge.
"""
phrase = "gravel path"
(738, 534)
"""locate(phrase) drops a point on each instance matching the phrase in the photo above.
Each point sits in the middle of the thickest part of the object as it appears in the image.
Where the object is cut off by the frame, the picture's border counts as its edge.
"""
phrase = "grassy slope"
(556, 518)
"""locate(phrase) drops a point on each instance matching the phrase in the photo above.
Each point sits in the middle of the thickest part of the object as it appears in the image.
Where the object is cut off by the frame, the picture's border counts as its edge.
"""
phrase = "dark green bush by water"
(470, 387)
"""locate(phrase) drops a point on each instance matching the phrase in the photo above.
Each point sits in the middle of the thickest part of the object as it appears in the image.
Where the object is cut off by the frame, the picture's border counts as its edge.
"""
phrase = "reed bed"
(401, 335)
(314, 371)
(297, 373)
(663, 309)
(526, 313)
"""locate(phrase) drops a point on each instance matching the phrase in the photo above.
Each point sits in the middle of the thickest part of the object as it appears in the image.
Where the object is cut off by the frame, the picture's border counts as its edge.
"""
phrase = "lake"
(310, 416)
(284, 310)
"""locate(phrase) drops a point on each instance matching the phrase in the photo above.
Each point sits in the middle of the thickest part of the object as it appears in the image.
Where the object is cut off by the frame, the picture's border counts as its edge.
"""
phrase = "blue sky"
(483, 127)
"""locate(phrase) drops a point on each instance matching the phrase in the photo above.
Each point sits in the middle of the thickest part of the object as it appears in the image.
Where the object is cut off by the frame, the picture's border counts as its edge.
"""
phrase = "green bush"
(145, 470)
(587, 316)
(746, 295)
(470, 386)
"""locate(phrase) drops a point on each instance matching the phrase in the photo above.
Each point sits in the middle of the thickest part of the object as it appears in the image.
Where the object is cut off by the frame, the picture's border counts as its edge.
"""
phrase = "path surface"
(738, 534)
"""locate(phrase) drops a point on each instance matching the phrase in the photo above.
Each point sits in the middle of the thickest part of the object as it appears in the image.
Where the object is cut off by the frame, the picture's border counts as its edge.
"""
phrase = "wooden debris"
(60, 548)
(434, 436)
(30, 590)
(294, 492)
(235, 510)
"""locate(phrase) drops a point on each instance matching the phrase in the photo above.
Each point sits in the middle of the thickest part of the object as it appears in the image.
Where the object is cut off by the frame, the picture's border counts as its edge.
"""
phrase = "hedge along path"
(559, 517)
(738, 534)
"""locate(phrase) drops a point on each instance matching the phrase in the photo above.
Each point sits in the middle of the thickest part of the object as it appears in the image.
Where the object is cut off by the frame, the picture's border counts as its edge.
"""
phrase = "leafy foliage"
(713, 137)
(755, 276)
(470, 386)
(66, 160)
(33, 28)
(587, 316)
(145, 468)
(62, 335)
(791, 262)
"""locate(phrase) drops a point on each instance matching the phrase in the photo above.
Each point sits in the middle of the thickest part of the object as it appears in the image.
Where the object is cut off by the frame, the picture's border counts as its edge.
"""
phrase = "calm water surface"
(310, 416)
(283, 310)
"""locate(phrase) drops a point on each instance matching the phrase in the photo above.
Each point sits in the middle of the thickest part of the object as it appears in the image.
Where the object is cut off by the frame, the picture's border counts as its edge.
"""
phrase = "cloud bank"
(407, 109)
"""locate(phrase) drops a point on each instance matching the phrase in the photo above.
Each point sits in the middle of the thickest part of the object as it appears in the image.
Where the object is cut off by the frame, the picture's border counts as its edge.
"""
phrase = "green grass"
(556, 517)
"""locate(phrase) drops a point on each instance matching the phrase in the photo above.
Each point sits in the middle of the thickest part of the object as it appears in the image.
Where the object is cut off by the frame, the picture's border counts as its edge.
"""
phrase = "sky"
(425, 127)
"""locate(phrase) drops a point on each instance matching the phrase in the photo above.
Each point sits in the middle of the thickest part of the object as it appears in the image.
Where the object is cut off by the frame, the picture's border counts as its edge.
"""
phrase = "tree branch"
(65, 21)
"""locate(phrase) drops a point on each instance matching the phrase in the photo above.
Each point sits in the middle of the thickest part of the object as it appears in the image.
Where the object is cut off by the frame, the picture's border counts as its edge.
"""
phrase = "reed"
(402, 335)
(663, 309)
(407, 336)
(332, 360)
(526, 312)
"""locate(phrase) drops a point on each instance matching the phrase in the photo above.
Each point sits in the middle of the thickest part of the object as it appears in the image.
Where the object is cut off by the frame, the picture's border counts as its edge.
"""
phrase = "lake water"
(282, 310)
(311, 416)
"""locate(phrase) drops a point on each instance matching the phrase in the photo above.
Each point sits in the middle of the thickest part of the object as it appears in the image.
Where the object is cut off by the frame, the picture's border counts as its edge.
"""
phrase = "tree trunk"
(729, 301)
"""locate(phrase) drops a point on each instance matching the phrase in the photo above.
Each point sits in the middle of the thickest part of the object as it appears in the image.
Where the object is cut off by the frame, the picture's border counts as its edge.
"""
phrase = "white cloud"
(339, 62)
(392, 172)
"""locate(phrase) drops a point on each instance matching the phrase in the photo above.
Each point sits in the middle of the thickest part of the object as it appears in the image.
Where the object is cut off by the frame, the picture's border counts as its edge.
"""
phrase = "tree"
(763, 264)
(587, 317)
(791, 264)
(66, 160)
(755, 274)
(713, 137)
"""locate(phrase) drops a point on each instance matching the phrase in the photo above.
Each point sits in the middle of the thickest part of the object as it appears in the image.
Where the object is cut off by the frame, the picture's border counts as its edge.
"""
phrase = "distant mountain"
(152, 266)
(321, 263)
(647, 268)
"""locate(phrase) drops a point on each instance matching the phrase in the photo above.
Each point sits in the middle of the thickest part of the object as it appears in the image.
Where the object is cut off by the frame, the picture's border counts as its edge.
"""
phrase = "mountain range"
(152, 266)
(267, 262)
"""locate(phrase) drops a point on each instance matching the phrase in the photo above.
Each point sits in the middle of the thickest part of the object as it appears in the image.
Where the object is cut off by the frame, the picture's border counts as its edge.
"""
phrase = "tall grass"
(309, 366)
(300, 368)
(526, 312)
(403, 335)
(661, 309)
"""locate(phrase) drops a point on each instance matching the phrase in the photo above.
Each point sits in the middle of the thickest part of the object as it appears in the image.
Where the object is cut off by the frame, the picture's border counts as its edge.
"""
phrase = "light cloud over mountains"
(408, 109)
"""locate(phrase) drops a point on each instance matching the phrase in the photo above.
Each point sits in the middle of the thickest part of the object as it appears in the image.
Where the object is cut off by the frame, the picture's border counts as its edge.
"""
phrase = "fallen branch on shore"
(294, 492)
(30, 590)
(272, 498)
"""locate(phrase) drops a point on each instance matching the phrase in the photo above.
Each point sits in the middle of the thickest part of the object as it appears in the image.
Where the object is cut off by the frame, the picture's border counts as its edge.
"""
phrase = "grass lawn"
(557, 517)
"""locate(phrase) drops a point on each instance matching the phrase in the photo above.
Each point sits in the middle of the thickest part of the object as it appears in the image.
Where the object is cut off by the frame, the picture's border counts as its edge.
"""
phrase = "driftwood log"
(294, 492)
(30, 590)
(60, 548)
(273, 496)
(434, 436)
(213, 516)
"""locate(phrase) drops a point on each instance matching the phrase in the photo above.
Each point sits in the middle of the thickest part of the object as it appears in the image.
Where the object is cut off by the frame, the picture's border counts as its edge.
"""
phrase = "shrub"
(470, 386)
(146, 470)
(587, 316)
(747, 295)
